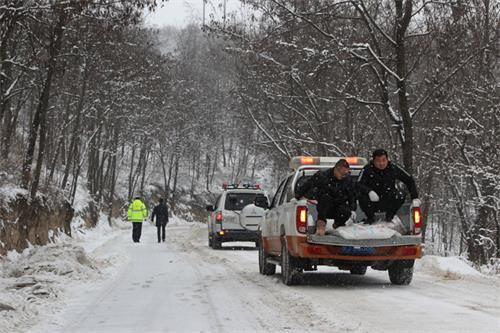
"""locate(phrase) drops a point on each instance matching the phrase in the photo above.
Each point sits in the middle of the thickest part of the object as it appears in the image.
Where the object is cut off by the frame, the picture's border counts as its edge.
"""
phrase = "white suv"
(234, 217)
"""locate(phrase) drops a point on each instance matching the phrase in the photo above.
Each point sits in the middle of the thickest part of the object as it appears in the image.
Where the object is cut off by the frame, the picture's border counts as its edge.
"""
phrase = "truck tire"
(264, 267)
(358, 270)
(216, 243)
(290, 273)
(401, 272)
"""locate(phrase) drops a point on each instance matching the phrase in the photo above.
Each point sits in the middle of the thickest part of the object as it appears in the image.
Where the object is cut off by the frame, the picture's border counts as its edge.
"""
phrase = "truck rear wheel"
(264, 267)
(358, 270)
(401, 272)
(290, 273)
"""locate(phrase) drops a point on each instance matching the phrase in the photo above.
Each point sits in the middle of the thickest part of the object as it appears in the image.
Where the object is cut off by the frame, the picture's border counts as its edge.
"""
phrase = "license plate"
(358, 251)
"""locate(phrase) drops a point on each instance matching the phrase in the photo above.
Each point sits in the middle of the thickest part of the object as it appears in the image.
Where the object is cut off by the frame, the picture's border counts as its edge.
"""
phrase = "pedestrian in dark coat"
(161, 214)
(380, 175)
(335, 192)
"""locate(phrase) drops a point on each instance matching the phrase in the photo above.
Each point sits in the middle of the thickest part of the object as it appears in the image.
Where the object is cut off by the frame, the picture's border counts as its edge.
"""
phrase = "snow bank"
(9, 192)
(82, 198)
(452, 268)
(35, 283)
(90, 239)
(31, 281)
(492, 268)
(176, 220)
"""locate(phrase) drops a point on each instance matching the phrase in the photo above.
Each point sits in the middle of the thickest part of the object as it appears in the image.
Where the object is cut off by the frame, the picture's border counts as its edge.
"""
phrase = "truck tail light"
(301, 219)
(218, 217)
(416, 214)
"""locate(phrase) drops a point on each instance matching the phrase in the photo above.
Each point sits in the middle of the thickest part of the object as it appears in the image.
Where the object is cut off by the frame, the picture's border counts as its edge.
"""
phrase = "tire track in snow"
(266, 294)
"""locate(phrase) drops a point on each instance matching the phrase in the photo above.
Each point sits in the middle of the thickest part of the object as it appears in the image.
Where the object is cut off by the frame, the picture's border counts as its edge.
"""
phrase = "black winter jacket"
(328, 190)
(384, 181)
(161, 213)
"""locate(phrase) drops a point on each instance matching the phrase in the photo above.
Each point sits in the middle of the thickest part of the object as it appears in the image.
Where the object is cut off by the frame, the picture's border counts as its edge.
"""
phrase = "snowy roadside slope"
(38, 282)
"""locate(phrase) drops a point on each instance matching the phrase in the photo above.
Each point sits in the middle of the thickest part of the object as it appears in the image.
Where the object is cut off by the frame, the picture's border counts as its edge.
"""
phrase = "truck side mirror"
(261, 202)
(210, 208)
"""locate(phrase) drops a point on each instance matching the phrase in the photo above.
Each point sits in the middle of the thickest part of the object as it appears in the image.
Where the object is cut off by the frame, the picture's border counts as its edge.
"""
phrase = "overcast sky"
(181, 12)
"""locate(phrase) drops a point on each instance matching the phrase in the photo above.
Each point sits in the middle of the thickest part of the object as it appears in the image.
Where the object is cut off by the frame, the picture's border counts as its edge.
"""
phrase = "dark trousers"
(340, 213)
(160, 230)
(136, 231)
(389, 203)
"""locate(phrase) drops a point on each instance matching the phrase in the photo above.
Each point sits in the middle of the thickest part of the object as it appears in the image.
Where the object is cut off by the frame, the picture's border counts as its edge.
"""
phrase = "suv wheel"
(401, 272)
(264, 267)
(290, 273)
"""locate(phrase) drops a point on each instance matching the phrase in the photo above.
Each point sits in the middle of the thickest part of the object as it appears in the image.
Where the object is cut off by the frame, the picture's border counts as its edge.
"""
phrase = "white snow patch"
(8, 192)
(82, 198)
(448, 267)
(38, 281)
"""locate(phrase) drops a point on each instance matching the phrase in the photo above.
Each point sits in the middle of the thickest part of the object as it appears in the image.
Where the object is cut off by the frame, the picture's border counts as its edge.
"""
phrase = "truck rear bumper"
(359, 250)
(339, 241)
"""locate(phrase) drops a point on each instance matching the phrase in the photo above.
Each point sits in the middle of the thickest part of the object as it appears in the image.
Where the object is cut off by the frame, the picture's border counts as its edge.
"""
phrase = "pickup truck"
(287, 234)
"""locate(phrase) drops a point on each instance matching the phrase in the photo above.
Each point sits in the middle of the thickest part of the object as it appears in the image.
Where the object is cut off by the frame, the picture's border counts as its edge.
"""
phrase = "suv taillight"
(416, 214)
(218, 217)
(301, 219)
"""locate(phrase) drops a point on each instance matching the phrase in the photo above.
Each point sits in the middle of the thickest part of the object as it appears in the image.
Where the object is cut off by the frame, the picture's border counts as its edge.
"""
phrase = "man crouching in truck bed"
(380, 175)
(335, 192)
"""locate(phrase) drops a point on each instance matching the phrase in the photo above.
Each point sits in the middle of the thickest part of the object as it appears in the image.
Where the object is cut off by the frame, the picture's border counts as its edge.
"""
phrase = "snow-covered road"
(184, 286)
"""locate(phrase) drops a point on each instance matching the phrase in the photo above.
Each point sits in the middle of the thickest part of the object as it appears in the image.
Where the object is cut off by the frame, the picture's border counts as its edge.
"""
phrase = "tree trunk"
(164, 170)
(176, 174)
(40, 114)
(130, 175)
(402, 22)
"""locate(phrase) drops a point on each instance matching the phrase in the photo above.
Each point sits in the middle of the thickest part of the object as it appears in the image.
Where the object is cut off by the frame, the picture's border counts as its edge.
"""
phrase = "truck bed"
(339, 241)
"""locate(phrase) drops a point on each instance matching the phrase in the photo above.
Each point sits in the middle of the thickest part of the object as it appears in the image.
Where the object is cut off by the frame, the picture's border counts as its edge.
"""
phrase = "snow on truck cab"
(287, 233)
(234, 216)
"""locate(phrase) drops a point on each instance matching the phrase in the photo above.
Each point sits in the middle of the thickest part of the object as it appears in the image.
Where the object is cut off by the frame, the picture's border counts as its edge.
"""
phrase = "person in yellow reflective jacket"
(137, 212)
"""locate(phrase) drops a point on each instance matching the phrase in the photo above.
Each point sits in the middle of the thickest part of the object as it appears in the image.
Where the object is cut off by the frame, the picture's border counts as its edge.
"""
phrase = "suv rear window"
(236, 201)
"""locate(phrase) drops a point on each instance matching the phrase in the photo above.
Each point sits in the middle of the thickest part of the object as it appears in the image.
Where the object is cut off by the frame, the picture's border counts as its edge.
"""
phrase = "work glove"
(416, 202)
(373, 196)
(351, 219)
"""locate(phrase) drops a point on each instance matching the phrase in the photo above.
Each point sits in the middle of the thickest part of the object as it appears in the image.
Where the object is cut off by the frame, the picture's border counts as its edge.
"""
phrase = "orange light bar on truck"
(356, 160)
(307, 160)
(299, 161)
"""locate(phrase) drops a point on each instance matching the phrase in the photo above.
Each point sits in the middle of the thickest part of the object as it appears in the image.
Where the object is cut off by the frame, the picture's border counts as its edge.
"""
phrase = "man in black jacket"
(380, 175)
(335, 192)
(161, 213)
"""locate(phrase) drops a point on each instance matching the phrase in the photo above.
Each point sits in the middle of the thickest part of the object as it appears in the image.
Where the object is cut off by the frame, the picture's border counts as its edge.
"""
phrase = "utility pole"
(224, 13)
(204, 3)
